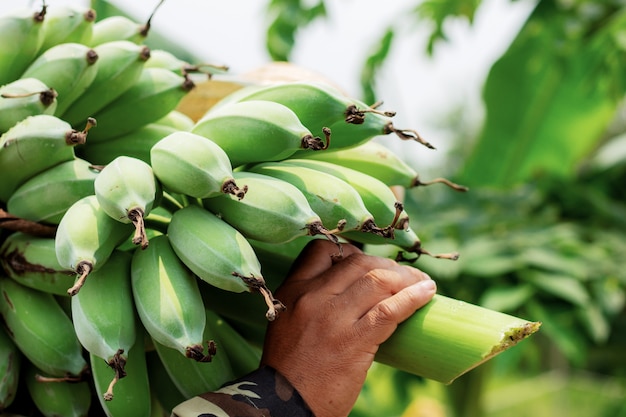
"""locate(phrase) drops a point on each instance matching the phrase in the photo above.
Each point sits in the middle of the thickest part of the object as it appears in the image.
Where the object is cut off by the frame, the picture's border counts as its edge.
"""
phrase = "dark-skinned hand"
(339, 310)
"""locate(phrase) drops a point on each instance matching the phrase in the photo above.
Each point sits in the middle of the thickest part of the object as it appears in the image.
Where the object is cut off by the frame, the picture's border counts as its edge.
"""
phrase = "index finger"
(317, 257)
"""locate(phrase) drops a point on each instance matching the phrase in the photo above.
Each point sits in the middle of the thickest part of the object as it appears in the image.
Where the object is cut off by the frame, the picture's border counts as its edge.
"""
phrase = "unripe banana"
(69, 68)
(40, 328)
(32, 261)
(240, 91)
(135, 144)
(10, 367)
(192, 377)
(116, 28)
(374, 159)
(64, 24)
(103, 314)
(377, 196)
(229, 306)
(86, 237)
(132, 393)
(32, 146)
(22, 98)
(376, 123)
(379, 161)
(161, 58)
(156, 93)
(242, 355)
(167, 299)
(256, 131)
(333, 199)
(167, 60)
(54, 396)
(120, 64)
(46, 196)
(273, 211)
(161, 385)
(276, 259)
(22, 32)
(176, 120)
(317, 105)
(218, 254)
(127, 190)
(193, 165)
(406, 240)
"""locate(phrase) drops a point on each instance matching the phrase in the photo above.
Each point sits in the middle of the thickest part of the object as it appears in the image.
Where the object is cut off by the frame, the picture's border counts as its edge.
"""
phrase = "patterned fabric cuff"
(262, 393)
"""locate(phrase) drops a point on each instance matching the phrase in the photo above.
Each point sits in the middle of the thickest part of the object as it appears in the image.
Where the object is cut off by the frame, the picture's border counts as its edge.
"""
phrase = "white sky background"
(422, 90)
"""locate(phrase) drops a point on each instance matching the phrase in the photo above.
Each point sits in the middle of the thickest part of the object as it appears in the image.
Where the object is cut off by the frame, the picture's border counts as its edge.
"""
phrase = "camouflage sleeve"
(262, 393)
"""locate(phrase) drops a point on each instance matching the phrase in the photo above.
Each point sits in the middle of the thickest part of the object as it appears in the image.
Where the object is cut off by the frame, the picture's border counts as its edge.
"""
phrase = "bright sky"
(421, 89)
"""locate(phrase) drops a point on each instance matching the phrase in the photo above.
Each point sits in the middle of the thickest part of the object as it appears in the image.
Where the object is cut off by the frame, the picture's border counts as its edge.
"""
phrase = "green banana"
(277, 259)
(135, 144)
(256, 131)
(382, 203)
(273, 211)
(22, 32)
(104, 316)
(333, 199)
(377, 196)
(69, 23)
(22, 98)
(317, 105)
(132, 393)
(116, 28)
(10, 367)
(243, 356)
(86, 237)
(176, 120)
(32, 261)
(69, 68)
(194, 378)
(193, 165)
(229, 306)
(127, 190)
(41, 330)
(380, 162)
(406, 240)
(218, 254)
(167, 60)
(53, 396)
(162, 58)
(46, 196)
(374, 159)
(33, 145)
(167, 299)
(347, 135)
(120, 64)
(243, 91)
(161, 385)
(156, 93)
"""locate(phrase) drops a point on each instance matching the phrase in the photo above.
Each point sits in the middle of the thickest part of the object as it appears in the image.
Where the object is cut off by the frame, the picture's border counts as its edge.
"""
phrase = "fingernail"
(428, 285)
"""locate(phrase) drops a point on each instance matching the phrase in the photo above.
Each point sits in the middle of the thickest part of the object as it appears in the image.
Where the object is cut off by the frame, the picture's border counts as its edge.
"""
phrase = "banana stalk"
(447, 338)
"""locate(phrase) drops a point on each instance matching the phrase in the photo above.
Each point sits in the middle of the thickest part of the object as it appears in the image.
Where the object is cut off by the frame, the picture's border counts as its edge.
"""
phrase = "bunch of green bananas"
(160, 221)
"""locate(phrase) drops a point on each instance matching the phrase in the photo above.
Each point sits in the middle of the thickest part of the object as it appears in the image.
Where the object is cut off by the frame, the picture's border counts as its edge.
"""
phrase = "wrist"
(264, 389)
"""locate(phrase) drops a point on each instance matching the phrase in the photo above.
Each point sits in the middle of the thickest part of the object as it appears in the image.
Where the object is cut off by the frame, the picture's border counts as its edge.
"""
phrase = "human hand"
(338, 312)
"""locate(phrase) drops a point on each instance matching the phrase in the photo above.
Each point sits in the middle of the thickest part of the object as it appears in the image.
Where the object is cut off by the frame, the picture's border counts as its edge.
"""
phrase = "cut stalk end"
(447, 338)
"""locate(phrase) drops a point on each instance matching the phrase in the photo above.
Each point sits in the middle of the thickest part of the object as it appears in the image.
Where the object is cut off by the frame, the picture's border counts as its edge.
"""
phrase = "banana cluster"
(160, 221)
